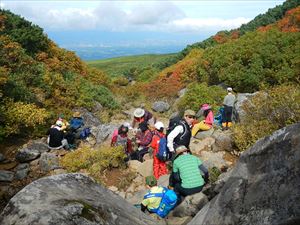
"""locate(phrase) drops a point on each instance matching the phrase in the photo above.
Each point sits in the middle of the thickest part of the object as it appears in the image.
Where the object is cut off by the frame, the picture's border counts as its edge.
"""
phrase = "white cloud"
(118, 16)
(192, 24)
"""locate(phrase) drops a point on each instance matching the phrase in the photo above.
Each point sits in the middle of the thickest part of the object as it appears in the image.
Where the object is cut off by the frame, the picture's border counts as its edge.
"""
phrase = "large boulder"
(102, 132)
(69, 199)
(160, 106)
(89, 118)
(264, 186)
(190, 205)
(241, 99)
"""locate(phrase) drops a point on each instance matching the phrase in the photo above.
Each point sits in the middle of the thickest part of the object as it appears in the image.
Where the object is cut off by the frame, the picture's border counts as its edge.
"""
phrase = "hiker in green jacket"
(186, 178)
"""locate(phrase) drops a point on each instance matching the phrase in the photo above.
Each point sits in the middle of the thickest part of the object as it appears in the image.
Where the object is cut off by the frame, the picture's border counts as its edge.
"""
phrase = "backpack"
(163, 151)
(173, 122)
(85, 133)
(76, 123)
(167, 203)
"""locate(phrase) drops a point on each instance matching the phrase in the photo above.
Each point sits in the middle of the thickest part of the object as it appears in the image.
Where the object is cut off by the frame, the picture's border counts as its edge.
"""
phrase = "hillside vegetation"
(137, 67)
(267, 59)
(38, 79)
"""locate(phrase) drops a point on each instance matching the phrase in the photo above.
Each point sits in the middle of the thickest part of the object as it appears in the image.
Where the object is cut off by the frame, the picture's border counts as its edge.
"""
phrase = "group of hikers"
(63, 133)
(188, 175)
(169, 148)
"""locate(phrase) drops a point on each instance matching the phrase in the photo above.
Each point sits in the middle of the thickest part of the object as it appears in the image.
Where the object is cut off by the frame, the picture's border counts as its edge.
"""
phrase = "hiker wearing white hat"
(141, 115)
(228, 103)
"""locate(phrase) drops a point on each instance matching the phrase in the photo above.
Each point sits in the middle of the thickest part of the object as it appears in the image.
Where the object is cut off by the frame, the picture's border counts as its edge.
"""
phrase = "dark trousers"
(139, 154)
(227, 113)
(174, 181)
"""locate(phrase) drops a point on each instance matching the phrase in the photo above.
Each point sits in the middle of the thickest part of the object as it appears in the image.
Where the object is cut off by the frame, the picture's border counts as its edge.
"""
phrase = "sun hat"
(139, 112)
(151, 181)
(59, 123)
(76, 114)
(158, 125)
(229, 89)
(205, 107)
(189, 112)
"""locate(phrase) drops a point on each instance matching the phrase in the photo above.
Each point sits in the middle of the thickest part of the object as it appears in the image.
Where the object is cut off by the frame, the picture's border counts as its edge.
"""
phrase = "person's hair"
(143, 126)
(123, 130)
(205, 113)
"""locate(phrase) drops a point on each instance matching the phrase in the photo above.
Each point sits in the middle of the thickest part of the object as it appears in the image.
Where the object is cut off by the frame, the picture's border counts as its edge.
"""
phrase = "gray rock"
(136, 197)
(38, 145)
(146, 168)
(160, 106)
(102, 132)
(264, 186)
(223, 141)
(204, 134)
(69, 199)
(6, 175)
(163, 180)
(213, 159)
(22, 171)
(89, 118)
(26, 155)
(242, 98)
(181, 92)
(48, 161)
(191, 205)
(97, 107)
(2, 158)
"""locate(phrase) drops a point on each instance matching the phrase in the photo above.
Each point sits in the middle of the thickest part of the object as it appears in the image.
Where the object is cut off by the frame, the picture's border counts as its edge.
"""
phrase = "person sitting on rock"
(205, 124)
(143, 140)
(142, 115)
(122, 139)
(76, 124)
(56, 138)
(159, 167)
(186, 178)
(65, 123)
(150, 201)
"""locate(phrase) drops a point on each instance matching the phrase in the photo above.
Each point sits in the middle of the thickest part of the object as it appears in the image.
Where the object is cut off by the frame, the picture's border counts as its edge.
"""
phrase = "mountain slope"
(40, 80)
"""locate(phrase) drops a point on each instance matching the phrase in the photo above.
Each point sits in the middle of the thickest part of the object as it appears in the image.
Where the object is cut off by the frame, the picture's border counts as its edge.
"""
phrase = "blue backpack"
(167, 203)
(85, 133)
(163, 151)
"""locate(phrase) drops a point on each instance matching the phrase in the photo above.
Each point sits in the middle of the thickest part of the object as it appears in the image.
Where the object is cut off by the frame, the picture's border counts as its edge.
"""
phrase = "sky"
(85, 23)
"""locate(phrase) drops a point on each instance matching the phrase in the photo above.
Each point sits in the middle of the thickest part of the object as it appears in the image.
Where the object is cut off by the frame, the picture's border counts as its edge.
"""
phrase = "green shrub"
(267, 112)
(198, 94)
(94, 161)
(214, 173)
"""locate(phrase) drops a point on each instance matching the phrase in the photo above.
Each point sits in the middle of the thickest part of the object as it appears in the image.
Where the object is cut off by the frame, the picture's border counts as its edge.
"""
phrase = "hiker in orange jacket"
(159, 167)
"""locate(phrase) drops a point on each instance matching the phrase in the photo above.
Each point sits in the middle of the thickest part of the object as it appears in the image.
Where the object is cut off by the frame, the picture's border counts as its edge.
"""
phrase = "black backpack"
(173, 122)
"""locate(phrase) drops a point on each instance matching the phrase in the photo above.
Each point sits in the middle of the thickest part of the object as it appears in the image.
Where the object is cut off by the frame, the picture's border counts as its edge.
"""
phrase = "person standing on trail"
(186, 177)
(228, 103)
(142, 115)
(159, 167)
(181, 134)
(205, 124)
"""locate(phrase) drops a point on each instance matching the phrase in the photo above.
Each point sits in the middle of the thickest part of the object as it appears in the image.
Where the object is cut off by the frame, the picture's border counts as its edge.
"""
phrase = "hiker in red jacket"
(159, 167)
(122, 139)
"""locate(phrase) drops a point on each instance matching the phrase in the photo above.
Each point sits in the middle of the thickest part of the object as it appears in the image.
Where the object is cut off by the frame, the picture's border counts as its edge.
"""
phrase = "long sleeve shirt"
(229, 100)
(145, 138)
(209, 120)
(174, 133)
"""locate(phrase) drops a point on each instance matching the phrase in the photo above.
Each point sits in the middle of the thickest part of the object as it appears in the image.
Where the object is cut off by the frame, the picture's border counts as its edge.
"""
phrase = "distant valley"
(88, 53)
